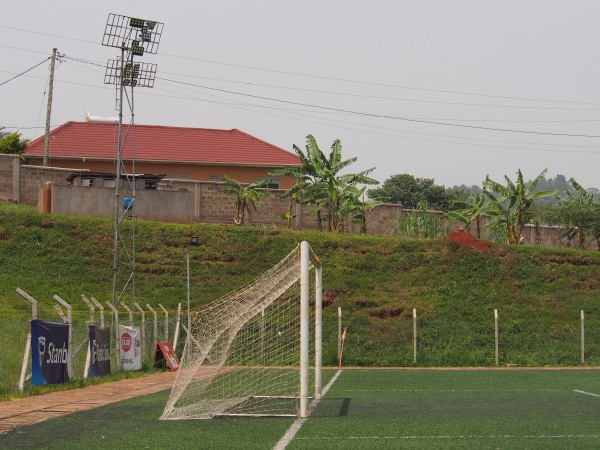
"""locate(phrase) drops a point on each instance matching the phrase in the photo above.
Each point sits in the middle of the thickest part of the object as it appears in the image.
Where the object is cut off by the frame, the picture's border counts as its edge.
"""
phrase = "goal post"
(251, 352)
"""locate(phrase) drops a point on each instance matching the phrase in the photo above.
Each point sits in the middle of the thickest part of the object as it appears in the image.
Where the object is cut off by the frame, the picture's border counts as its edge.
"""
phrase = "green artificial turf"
(424, 409)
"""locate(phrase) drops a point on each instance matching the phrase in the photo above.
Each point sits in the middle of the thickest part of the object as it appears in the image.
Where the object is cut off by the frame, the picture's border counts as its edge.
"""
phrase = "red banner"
(165, 352)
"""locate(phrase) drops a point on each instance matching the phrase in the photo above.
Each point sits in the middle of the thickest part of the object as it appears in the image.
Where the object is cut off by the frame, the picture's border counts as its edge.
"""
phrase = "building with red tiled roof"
(184, 153)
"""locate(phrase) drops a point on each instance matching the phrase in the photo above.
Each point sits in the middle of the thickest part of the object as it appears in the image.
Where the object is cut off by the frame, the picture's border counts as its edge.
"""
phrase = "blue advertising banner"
(49, 342)
(99, 351)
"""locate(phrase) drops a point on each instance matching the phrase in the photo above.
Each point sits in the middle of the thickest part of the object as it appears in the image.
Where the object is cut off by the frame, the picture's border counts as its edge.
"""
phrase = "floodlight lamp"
(136, 48)
(136, 23)
(121, 31)
(194, 241)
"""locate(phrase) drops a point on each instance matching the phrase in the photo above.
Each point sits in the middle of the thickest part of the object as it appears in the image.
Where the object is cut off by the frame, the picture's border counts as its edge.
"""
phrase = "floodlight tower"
(133, 37)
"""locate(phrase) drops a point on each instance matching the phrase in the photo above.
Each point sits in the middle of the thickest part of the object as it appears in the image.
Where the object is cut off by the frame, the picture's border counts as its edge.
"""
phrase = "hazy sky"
(420, 87)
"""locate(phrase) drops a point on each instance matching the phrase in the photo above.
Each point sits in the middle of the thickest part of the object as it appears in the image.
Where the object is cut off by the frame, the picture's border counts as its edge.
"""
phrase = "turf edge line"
(458, 436)
(586, 393)
(291, 432)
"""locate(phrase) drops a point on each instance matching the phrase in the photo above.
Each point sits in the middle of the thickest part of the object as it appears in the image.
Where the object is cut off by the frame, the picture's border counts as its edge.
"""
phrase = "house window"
(178, 176)
(215, 178)
(273, 182)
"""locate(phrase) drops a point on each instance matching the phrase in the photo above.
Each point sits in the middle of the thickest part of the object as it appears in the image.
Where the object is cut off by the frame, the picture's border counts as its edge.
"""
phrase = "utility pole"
(49, 109)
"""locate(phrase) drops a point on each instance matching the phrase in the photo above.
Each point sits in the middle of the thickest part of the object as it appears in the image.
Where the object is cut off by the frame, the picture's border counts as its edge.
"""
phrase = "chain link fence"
(405, 341)
(512, 340)
(16, 327)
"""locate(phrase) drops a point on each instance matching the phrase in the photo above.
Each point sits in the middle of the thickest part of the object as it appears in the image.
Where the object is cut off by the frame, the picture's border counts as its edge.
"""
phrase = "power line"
(377, 97)
(23, 73)
(381, 116)
(346, 80)
(399, 86)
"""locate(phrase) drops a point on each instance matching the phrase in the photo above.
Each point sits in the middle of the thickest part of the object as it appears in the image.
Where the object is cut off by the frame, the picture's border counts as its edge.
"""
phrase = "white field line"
(291, 432)
(586, 393)
(451, 390)
(506, 436)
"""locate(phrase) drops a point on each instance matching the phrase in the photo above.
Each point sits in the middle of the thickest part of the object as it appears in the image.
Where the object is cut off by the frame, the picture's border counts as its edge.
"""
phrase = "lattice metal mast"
(133, 37)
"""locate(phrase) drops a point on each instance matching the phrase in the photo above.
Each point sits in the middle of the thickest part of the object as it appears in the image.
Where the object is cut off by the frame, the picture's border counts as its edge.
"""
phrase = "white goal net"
(249, 352)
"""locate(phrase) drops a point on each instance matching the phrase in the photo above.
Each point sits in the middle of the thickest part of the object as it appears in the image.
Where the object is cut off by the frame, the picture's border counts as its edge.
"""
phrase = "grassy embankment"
(377, 281)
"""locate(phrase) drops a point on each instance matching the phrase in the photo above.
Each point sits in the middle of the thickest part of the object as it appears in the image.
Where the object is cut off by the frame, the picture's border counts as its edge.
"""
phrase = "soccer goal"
(250, 353)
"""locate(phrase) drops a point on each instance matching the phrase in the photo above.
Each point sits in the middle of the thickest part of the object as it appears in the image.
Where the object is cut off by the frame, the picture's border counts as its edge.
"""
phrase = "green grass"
(420, 409)
(377, 281)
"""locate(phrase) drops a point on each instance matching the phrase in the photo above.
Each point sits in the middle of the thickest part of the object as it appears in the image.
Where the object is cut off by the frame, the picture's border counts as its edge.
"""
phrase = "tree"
(12, 144)
(247, 196)
(307, 186)
(510, 204)
(320, 184)
(410, 191)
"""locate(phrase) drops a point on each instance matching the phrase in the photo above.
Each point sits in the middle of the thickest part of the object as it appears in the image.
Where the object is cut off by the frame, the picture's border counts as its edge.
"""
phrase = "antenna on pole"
(133, 37)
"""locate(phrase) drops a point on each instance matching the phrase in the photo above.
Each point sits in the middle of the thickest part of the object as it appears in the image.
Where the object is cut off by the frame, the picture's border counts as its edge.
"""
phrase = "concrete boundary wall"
(21, 183)
(158, 206)
(186, 201)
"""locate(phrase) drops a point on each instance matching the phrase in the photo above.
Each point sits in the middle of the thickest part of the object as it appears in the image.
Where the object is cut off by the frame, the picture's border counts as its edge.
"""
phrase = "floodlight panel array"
(137, 35)
(136, 74)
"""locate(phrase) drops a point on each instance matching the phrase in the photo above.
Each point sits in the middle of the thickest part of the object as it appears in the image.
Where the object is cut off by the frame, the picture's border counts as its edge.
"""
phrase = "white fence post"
(101, 309)
(318, 331)
(177, 325)
(582, 337)
(496, 337)
(415, 335)
(88, 355)
(166, 321)
(70, 344)
(115, 312)
(129, 311)
(339, 353)
(155, 326)
(143, 326)
(28, 343)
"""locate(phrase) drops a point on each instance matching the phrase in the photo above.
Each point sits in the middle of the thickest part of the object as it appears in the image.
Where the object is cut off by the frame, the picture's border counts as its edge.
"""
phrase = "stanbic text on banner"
(50, 343)
(99, 351)
(131, 346)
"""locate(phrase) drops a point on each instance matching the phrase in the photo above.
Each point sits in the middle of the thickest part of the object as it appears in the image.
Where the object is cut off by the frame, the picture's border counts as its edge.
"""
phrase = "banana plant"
(510, 204)
(247, 196)
(468, 211)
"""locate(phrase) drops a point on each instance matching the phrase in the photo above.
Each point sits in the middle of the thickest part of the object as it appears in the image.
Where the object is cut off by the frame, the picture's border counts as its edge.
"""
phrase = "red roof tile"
(159, 143)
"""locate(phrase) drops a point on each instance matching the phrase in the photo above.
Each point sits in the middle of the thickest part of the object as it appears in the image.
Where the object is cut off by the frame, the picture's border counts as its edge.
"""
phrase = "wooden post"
(415, 335)
(49, 108)
(496, 336)
(582, 337)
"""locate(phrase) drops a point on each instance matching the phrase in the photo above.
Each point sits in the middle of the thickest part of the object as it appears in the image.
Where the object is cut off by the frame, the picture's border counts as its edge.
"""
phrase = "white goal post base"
(250, 352)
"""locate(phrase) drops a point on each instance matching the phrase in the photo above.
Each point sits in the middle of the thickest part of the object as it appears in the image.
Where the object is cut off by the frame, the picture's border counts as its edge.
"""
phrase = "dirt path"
(27, 411)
